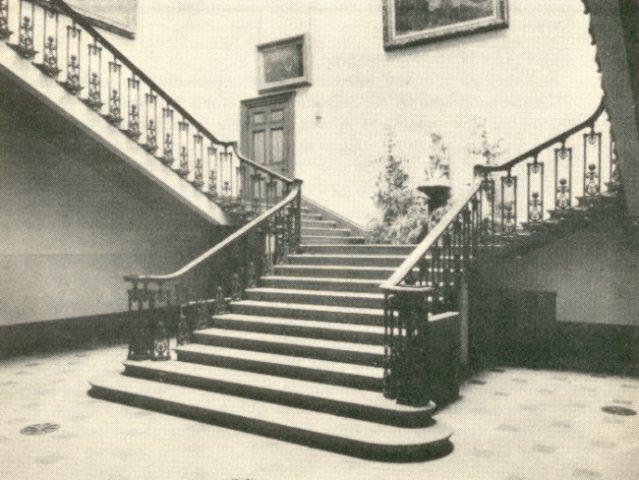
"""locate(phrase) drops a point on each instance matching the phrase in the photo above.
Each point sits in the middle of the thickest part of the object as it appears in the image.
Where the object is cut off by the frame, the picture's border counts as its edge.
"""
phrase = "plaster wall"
(593, 272)
(69, 233)
(528, 82)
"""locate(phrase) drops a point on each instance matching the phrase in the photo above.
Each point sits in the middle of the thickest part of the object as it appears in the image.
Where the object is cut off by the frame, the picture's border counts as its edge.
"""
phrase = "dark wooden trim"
(63, 334)
(284, 97)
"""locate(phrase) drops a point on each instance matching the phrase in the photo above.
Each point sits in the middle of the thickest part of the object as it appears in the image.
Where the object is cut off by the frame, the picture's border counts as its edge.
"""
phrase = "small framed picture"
(411, 22)
(283, 64)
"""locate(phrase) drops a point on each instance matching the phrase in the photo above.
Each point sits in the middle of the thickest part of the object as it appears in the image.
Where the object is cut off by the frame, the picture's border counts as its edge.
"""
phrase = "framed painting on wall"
(411, 22)
(283, 64)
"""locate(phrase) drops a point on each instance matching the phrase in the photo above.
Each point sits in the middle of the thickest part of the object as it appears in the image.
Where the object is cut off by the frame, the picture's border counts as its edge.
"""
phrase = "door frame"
(287, 98)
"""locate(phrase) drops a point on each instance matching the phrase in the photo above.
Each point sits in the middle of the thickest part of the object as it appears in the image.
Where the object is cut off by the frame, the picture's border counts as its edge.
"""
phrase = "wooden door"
(267, 132)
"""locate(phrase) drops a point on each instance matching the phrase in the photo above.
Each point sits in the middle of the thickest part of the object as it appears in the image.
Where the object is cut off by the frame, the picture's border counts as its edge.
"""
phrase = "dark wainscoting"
(519, 328)
(56, 335)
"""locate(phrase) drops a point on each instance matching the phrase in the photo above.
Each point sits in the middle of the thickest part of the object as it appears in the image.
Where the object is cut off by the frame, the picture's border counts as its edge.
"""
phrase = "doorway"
(267, 135)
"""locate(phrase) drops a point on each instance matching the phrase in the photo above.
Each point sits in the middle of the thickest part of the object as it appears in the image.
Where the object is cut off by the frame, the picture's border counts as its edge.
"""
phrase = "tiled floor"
(511, 424)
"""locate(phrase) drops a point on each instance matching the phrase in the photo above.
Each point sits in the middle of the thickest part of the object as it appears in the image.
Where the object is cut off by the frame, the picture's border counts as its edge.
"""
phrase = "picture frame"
(414, 22)
(283, 64)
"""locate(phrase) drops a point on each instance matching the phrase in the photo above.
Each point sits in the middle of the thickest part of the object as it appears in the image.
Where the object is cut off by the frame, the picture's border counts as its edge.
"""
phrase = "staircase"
(298, 358)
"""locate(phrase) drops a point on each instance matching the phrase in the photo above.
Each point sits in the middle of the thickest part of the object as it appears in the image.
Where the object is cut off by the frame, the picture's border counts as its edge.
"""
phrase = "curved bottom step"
(318, 430)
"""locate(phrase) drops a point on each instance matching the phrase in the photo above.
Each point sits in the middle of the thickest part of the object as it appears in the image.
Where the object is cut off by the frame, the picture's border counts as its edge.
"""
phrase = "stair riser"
(311, 216)
(345, 272)
(371, 261)
(316, 299)
(357, 249)
(358, 358)
(321, 232)
(305, 332)
(332, 240)
(300, 373)
(315, 285)
(434, 449)
(292, 399)
(338, 317)
(318, 224)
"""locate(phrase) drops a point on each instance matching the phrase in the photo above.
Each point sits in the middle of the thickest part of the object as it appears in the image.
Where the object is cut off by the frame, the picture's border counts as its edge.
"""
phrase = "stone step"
(318, 224)
(310, 369)
(332, 271)
(328, 239)
(318, 283)
(325, 232)
(365, 249)
(316, 297)
(311, 216)
(321, 313)
(333, 399)
(360, 354)
(340, 332)
(314, 429)
(348, 259)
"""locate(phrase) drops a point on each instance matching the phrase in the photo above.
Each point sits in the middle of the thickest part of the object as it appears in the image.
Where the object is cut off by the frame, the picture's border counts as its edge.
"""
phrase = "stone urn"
(437, 193)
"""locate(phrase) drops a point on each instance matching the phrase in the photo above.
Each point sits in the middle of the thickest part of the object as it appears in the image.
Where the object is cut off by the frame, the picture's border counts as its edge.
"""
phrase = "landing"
(519, 424)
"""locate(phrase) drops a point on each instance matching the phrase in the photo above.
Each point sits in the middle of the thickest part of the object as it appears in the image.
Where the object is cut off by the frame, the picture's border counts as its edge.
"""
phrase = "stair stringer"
(46, 90)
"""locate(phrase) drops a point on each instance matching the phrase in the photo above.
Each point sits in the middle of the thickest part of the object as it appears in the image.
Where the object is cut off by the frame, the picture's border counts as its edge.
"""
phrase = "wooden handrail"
(236, 236)
(484, 169)
(84, 23)
(432, 236)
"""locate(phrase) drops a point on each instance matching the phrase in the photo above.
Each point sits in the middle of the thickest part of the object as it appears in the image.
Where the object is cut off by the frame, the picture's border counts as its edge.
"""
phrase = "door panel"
(267, 132)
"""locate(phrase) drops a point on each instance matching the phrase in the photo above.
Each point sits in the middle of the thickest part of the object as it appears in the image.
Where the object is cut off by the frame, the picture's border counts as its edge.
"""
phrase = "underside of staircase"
(299, 358)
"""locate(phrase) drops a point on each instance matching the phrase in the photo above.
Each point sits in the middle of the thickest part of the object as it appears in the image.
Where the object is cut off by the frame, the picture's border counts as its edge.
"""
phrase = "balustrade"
(489, 215)
(90, 67)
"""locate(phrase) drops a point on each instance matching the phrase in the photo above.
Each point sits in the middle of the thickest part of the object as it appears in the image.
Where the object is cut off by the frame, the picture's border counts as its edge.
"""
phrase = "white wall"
(529, 82)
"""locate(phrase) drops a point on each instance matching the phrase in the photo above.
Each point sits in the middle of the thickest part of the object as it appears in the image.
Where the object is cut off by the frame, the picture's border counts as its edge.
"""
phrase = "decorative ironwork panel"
(4, 20)
(167, 129)
(151, 144)
(563, 189)
(133, 99)
(592, 170)
(94, 98)
(114, 116)
(509, 204)
(25, 45)
(535, 210)
(73, 83)
(49, 63)
(183, 129)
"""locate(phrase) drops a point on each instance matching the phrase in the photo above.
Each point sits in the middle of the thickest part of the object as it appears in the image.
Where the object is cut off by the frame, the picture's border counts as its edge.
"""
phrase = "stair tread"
(346, 255)
(321, 280)
(274, 382)
(294, 322)
(306, 306)
(332, 237)
(370, 245)
(291, 340)
(323, 293)
(289, 417)
(338, 267)
(286, 360)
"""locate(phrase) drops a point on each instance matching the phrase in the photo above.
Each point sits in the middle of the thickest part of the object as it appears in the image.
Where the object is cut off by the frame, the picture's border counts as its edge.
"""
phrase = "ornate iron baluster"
(509, 208)
(4, 20)
(198, 152)
(114, 117)
(151, 144)
(563, 191)
(94, 98)
(140, 339)
(167, 150)
(49, 65)
(535, 208)
(73, 83)
(183, 139)
(406, 313)
(592, 178)
(488, 196)
(25, 44)
(133, 87)
(615, 173)
(211, 153)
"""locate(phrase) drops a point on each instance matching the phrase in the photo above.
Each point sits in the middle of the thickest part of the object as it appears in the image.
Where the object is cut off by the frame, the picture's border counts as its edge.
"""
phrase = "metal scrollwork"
(161, 350)
(592, 177)
(563, 195)
(4, 20)
(50, 58)
(536, 209)
(221, 305)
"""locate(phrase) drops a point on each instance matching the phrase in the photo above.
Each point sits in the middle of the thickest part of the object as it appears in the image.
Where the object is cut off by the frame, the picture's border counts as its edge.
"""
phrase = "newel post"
(406, 316)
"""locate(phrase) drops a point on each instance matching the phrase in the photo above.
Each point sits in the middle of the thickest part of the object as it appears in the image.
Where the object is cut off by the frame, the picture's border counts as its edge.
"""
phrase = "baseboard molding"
(57, 335)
